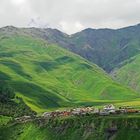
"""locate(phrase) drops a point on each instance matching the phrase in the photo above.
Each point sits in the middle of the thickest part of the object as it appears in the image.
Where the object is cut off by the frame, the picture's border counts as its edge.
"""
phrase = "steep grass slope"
(84, 128)
(49, 77)
(105, 47)
(129, 73)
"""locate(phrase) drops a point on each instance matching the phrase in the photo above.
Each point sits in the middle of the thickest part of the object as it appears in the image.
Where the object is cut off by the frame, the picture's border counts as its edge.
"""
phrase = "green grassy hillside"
(10, 105)
(129, 73)
(84, 128)
(104, 47)
(48, 77)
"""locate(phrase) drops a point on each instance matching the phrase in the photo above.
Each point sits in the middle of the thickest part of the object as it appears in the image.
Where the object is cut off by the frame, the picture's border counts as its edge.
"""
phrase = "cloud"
(18, 2)
(70, 15)
(70, 27)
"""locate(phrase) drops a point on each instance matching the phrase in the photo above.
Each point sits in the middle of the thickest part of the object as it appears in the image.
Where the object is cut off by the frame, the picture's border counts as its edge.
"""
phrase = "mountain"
(128, 73)
(48, 77)
(105, 47)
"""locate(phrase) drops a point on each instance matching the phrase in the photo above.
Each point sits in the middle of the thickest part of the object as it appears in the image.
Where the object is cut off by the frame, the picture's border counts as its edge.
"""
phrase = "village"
(84, 111)
(106, 110)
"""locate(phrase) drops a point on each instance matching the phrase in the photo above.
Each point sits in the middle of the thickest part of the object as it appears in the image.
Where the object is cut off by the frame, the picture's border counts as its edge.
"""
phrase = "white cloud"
(70, 15)
(18, 2)
(71, 27)
(38, 22)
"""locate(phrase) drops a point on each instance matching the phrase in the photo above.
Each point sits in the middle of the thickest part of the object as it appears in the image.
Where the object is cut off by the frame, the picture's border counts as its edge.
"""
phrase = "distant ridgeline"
(11, 105)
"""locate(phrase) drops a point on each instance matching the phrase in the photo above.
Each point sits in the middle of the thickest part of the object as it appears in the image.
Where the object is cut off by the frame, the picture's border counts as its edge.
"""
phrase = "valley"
(45, 70)
(48, 77)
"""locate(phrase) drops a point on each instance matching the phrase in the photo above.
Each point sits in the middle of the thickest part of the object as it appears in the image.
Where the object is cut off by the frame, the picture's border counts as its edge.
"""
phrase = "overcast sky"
(70, 16)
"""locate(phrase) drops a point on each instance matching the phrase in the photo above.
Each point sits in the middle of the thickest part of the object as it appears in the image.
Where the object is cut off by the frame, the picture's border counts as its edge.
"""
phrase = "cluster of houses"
(106, 110)
(23, 119)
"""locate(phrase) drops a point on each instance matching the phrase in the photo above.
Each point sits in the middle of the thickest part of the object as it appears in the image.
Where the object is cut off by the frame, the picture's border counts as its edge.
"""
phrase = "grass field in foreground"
(88, 127)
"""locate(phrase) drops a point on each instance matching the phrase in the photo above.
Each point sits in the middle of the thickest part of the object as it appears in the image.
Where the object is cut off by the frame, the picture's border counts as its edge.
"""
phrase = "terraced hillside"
(129, 73)
(48, 77)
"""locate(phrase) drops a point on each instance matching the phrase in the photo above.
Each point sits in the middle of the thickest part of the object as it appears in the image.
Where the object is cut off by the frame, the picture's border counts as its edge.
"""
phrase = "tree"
(6, 92)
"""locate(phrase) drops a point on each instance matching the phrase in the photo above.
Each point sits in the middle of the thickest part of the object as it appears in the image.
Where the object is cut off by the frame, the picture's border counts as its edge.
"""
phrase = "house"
(132, 111)
(104, 113)
(23, 119)
(109, 108)
(96, 111)
(46, 114)
(126, 107)
(66, 113)
(88, 109)
(76, 111)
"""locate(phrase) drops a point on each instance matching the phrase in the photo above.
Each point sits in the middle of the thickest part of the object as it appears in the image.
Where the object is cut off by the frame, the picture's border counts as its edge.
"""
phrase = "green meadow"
(129, 73)
(48, 77)
(85, 128)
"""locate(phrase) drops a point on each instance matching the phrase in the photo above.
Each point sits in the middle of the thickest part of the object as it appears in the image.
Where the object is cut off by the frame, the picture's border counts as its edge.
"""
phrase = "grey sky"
(70, 15)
